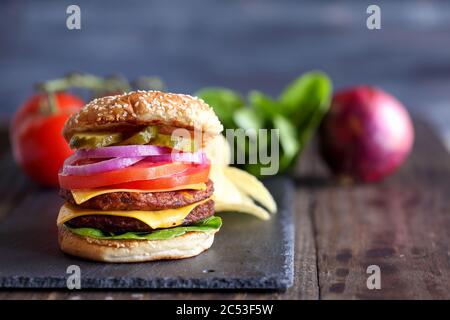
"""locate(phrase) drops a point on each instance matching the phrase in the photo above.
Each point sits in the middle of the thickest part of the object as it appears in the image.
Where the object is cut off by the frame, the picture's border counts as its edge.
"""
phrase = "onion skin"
(366, 135)
(120, 160)
(120, 152)
(101, 166)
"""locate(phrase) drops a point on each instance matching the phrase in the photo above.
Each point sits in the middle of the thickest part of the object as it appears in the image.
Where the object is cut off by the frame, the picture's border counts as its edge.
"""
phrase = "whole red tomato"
(36, 139)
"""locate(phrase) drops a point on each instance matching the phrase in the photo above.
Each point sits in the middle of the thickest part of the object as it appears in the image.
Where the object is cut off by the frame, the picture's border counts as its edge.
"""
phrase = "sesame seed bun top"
(139, 108)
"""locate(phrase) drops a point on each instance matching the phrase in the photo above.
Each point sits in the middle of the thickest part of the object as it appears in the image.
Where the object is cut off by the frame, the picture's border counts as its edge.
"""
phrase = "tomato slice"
(195, 174)
(143, 170)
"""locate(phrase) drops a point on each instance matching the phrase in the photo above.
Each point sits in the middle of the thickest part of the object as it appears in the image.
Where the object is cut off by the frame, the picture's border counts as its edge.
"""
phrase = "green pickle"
(175, 142)
(142, 137)
(148, 135)
(91, 140)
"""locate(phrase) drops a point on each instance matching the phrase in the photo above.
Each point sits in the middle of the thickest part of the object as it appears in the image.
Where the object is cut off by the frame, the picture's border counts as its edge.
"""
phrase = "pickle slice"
(175, 142)
(142, 137)
(91, 140)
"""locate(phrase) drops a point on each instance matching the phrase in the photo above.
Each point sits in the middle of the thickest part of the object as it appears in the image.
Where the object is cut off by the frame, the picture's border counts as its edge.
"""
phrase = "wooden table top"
(400, 225)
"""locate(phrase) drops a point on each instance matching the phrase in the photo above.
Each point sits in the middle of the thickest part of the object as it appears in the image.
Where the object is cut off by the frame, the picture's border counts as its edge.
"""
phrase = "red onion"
(198, 157)
(122, 151)
(125, 156)
(366, 135)
(102, 166)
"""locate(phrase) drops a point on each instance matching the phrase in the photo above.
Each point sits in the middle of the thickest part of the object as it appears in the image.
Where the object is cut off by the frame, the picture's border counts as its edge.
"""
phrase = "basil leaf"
(224, 102)
(207, 225)
(320, 101)
(264, 104)
(247, 118)
(288, 140)
(306, 101)
(297, 112)
(304, 94)
(320, 90)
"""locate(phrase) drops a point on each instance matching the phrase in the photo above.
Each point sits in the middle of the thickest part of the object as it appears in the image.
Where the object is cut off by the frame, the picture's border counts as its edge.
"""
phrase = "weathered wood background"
(241, 44)
(401, 224)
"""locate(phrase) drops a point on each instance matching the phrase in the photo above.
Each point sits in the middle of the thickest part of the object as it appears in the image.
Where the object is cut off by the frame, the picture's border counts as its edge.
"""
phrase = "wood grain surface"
(239, 44)
(401, 225)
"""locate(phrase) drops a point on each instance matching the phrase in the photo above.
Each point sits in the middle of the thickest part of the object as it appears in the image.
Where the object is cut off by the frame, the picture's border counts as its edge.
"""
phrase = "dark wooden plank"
(13, 183)
(401, 225)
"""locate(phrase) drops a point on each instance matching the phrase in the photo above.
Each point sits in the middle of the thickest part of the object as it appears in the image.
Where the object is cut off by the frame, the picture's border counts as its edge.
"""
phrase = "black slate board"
(247, 253)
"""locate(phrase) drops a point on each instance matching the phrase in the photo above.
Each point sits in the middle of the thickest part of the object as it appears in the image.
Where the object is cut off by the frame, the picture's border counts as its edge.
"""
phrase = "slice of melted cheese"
(154, 219)
(83, 195)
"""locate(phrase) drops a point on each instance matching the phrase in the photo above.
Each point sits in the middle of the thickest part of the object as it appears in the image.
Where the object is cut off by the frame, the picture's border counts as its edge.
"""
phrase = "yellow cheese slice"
(83, 195)
(154, 219)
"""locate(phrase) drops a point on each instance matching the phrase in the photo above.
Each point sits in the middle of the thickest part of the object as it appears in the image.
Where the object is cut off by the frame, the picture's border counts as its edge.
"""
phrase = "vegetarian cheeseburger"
(137, 187)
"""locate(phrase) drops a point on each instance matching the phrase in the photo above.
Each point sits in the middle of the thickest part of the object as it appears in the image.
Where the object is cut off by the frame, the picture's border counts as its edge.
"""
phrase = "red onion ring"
(102, 166)
(125, 156)
(122, 151)
(198, 157)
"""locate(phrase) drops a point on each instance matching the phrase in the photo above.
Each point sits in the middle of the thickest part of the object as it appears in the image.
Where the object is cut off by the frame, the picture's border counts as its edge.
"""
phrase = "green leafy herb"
(297, 112)
(264, 104)
(224, 102)
(207, 225)
(288, 140)
(247, 118)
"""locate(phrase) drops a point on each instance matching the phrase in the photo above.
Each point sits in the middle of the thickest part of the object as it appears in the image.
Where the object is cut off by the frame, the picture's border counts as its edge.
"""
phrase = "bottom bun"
(188, 245)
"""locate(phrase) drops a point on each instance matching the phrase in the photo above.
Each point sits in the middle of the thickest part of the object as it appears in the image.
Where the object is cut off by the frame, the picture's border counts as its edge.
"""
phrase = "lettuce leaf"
(207, 225)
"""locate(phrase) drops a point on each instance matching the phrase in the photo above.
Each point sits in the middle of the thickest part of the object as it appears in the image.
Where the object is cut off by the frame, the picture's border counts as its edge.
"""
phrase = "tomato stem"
(85, 81)
(52, 103)
(99, 85)
(48, 104)
(149, 83)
